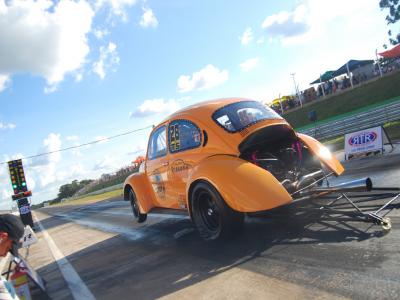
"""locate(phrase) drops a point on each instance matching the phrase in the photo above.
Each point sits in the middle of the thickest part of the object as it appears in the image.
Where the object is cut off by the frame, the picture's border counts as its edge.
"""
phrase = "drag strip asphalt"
(291, 255)
(75, 283)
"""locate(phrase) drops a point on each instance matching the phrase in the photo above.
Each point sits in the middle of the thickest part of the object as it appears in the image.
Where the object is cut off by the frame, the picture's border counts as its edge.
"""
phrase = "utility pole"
(377, 61)
(322, 85)
(280, 103)
(296, 89)
(350, 75)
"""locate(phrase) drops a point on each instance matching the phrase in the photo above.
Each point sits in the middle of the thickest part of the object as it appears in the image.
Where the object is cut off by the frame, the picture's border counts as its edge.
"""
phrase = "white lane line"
(78, 288)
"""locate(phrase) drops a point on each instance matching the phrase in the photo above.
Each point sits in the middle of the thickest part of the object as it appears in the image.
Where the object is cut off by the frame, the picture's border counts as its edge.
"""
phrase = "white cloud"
(76, 152)
(30, 182)
(50, 144)
(249, 64)
(206, 78)
(45, 167)
(148, 18)
(44, 38)
(260, 41)
(100, 33)
(7, 125)
(50, 89)
(72, 138)
(77, 169)
(74, 171)
(288, 24)
(155, 106)
(48, 175)
(138, 149)
(107, 164)
(6, 194)
(75, 139)
(108, 59)
(78, 77)
(12, 157)
(339, 32)
(4, 81)
(311, 18)
(247, 36)
(117, 7)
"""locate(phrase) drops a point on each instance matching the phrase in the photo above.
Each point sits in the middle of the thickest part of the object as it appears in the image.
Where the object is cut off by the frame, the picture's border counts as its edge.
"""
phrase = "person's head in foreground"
(11, 231)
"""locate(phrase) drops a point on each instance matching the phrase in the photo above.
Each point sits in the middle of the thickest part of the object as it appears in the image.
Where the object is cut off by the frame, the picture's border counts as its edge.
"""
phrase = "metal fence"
(374, 117)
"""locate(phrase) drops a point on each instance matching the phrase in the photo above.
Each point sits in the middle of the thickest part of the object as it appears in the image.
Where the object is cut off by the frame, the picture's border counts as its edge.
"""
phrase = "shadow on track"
(157, 264)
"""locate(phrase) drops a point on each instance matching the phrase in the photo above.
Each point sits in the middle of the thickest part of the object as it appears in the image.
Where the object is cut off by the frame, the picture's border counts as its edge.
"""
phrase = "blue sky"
(76, 71)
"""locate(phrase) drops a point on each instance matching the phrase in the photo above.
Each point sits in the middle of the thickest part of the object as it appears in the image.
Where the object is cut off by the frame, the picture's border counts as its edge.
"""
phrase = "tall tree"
(394, 15)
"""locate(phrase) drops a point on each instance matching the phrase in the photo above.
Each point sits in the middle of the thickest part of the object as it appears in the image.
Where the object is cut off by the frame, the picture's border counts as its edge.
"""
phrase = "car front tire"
(213, 218)
(139, 217)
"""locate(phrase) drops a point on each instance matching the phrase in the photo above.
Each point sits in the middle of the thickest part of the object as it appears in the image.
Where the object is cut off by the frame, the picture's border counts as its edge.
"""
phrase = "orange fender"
(244, 186)
(143, 191)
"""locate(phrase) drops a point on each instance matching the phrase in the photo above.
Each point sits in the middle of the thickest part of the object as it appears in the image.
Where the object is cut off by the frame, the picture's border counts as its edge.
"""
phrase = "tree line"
(69, 189)
(393, 16)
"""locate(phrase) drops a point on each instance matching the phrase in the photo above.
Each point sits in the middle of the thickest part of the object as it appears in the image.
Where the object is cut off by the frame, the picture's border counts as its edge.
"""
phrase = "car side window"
(158, 143)
(183, 135)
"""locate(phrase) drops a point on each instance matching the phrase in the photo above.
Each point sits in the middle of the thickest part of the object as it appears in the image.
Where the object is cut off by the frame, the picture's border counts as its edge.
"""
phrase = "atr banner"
(363, 141)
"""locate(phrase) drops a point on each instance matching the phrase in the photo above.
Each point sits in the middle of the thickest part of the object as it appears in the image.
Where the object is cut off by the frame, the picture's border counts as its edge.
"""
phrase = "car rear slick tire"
(213, 218)
(139, 217)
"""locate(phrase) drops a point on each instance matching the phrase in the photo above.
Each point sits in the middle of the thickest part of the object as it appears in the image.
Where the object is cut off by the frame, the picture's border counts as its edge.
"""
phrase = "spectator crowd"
(335, 85)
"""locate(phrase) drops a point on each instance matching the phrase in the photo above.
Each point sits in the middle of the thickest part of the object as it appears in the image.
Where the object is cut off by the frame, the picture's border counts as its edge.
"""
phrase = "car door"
(184, 140)
(157, 165)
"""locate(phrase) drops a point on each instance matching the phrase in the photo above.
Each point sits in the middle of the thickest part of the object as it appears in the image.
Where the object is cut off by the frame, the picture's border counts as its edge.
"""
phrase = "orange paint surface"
(165, 181)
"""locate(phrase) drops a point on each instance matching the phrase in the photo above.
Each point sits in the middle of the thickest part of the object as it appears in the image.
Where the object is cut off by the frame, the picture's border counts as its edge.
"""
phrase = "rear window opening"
(237, 116)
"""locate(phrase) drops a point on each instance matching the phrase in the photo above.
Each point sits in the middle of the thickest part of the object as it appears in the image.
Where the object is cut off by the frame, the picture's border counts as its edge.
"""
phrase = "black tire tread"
(141, 217)
(231, 220)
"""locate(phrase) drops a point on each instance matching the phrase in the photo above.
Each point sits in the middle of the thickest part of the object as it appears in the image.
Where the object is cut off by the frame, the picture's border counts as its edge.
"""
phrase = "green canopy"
(328, 75)
(351, 65)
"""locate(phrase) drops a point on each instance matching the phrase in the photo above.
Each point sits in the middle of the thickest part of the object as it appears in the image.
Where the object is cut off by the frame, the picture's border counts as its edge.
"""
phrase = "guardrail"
(374, 117)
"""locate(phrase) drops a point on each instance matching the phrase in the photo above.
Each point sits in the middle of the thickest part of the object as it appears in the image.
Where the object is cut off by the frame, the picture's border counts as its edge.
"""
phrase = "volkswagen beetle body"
(246, 155)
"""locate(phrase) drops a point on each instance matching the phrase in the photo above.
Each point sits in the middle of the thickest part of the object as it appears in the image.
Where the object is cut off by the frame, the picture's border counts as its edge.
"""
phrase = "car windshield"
(237, 116)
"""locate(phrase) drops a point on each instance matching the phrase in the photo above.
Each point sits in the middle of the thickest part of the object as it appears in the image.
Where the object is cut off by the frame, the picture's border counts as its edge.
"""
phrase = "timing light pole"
(296, 89)
(21, 192)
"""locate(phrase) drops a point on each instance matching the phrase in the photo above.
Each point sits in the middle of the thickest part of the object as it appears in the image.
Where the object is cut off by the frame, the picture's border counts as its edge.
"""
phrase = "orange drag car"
(223, 158)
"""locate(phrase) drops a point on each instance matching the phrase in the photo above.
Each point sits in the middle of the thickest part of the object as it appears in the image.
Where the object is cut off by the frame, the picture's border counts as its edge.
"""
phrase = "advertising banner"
(363, 141)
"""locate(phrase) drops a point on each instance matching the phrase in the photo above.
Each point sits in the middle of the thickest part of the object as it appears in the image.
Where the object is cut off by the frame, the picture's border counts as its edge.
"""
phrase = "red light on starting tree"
(28, 194)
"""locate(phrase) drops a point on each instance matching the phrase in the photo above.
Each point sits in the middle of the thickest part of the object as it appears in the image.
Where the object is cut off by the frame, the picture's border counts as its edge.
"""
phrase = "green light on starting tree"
(23, 184)
(14, 186)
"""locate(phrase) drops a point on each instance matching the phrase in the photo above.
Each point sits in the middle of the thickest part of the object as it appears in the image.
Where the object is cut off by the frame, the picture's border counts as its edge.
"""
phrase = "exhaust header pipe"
(359, 185)
(308, 179)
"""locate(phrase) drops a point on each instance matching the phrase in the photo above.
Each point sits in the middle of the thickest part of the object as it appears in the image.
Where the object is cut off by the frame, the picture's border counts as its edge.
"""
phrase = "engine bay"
(278, 150)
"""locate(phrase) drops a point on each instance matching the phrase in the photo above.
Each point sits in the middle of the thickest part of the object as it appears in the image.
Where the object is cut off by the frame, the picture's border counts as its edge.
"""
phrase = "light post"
(377, 60)
(296, 89)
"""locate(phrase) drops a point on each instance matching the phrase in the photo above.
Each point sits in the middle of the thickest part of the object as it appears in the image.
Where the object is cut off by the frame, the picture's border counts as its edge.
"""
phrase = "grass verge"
(368, 94)
(92, 198)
